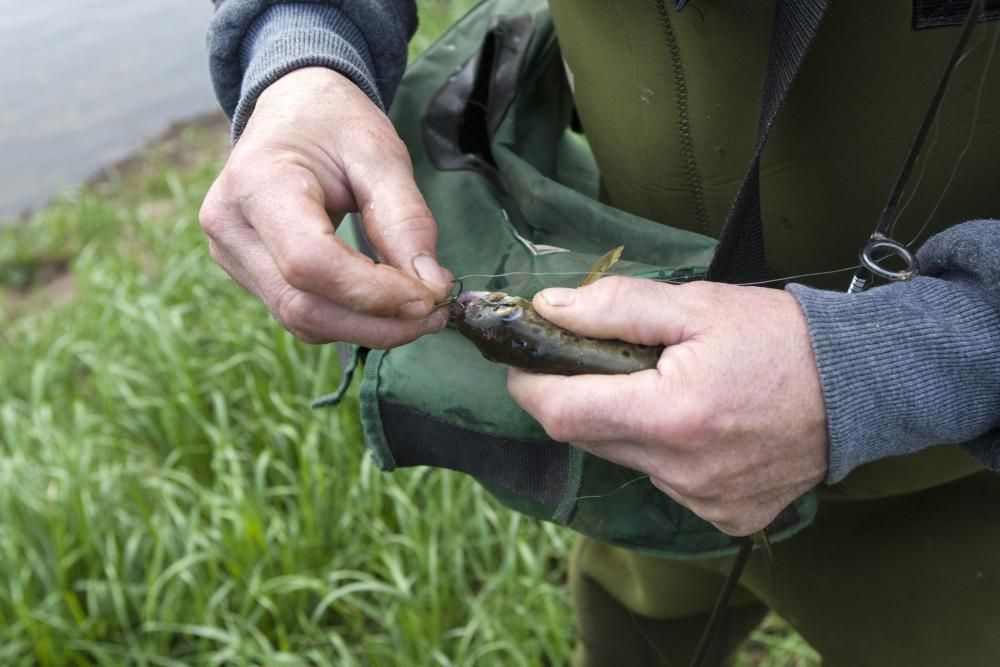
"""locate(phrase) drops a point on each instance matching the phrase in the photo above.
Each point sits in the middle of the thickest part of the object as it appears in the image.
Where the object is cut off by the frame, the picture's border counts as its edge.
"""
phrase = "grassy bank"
(166, 496)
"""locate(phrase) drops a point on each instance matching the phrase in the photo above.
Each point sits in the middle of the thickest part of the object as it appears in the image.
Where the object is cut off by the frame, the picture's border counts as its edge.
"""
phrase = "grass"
(166, 497)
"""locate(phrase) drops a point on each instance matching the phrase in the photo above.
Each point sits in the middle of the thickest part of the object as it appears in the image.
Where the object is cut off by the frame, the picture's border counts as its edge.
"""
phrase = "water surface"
(83, 83)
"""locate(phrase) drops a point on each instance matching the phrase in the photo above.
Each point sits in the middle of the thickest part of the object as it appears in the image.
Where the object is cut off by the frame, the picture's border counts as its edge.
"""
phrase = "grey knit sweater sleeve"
(252, 43)
(910, 365)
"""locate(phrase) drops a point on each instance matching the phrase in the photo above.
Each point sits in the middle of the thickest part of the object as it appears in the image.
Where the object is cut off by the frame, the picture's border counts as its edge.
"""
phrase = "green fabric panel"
(567, 507)
(544, 220)
(346, 376)
(371, 419)
(446, 377)
(621, 507)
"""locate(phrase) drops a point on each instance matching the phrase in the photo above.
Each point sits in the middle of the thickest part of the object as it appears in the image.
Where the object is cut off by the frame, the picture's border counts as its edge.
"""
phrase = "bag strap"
(740, 253)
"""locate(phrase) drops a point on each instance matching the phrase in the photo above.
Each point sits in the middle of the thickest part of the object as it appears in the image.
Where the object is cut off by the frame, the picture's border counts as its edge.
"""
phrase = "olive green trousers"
(910, 580)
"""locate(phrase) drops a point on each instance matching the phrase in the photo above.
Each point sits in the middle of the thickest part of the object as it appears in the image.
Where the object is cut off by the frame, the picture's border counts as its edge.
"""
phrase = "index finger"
(596, 413)
(584, 408)
(293, 224)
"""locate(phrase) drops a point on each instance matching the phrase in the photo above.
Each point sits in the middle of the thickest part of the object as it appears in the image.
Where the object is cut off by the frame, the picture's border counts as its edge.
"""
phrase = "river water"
(83, 83)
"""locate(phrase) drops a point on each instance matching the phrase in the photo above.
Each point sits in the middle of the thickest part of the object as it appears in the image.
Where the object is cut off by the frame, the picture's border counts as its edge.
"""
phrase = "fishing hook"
(450, 299)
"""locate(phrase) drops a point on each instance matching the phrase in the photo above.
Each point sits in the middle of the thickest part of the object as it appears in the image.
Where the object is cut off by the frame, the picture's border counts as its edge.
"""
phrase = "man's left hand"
(730, 424)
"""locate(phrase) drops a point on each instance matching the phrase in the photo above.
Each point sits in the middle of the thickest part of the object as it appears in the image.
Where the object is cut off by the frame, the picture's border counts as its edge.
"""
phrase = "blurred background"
(87, 82)
(166, 496)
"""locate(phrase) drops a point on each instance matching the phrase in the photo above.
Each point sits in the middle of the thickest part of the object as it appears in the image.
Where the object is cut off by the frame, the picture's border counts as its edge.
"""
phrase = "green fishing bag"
(487, 115)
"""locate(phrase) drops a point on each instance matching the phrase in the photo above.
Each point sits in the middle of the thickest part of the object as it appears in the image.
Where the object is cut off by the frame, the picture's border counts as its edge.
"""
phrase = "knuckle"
(290, 172)
(382, 157)
(240, 173)
(293, 312)
(211, 217)
(393, 148)
(295, 263)
(309, 339)
(411, 223)
(254, 172)
(385, 141)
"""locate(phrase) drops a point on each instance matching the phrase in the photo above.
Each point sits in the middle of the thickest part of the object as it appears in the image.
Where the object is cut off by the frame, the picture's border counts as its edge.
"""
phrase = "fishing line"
(801, 275)
(611, 493)
(972, 132)
(659, 280)
(527, 273)
(925, 157)
(925, 160)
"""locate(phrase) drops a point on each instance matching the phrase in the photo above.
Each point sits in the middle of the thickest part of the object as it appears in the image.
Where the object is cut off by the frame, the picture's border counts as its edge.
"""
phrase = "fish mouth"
(463, 301)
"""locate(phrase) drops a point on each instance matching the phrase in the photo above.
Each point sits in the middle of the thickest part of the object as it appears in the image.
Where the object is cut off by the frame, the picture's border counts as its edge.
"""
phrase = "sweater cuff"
(903, 367)
(292, 36)
(363, 39)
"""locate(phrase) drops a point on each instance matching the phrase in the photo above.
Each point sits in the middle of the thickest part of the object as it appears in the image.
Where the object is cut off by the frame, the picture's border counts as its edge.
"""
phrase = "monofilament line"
(611, 493)
(659, 280)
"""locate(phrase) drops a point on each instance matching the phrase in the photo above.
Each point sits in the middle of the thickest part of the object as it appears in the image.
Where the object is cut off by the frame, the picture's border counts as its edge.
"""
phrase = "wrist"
(289, 38)
(903, 367)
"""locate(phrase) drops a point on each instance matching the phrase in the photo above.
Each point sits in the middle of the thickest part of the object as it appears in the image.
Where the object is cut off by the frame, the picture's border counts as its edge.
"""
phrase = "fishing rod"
(880, 245)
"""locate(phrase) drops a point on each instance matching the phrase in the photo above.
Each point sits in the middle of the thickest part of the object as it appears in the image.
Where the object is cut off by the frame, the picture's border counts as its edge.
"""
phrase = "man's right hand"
(315, 149)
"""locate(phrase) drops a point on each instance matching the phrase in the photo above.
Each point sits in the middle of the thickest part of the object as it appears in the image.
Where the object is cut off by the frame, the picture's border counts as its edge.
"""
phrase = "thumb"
(630, 309)
(400, 226)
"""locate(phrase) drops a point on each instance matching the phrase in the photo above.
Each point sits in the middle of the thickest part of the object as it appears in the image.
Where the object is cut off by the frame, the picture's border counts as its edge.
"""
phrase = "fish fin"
(605, 262)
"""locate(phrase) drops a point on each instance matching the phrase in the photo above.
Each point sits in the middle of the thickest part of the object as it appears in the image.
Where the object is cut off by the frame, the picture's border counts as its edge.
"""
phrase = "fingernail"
(414, 310)
(429, 271)
(558, 296)
(435, 322)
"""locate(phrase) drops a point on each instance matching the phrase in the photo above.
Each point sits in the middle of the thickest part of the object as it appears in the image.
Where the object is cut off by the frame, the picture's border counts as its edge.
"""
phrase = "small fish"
(506, 329)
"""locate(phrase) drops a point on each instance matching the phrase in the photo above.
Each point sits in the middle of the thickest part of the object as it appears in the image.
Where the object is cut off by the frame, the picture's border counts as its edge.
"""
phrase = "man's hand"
(731, 423)
(316, 148)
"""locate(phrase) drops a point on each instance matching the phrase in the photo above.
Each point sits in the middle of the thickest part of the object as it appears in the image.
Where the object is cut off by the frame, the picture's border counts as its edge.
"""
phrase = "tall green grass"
(167, 498)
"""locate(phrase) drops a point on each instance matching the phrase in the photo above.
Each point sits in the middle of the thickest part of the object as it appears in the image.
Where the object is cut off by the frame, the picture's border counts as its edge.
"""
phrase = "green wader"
(901, 566)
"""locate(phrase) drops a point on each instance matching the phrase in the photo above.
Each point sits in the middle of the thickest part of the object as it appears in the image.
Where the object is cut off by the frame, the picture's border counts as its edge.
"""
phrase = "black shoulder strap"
(740, 254)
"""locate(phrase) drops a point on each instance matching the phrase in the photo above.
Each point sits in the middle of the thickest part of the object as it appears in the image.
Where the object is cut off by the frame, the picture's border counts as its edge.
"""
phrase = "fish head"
(483, 310)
